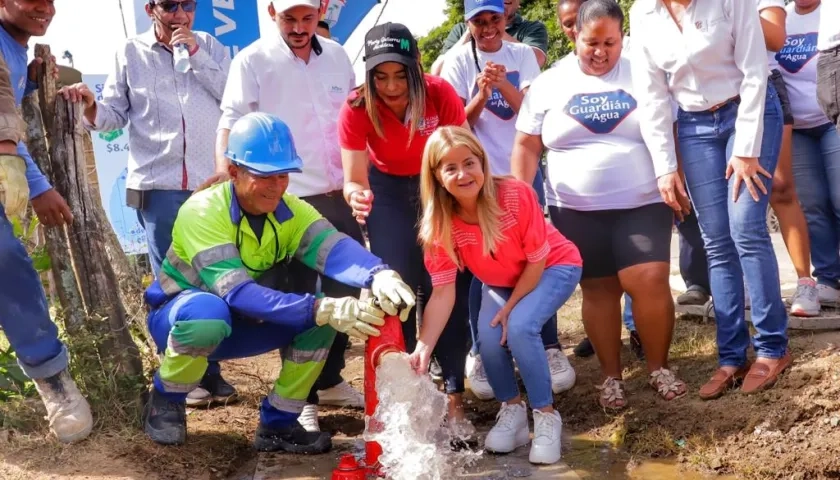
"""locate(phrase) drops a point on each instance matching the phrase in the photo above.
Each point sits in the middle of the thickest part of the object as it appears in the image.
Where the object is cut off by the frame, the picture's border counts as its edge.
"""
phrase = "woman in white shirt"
(793, 226)
(602, 195)
(816, 146)
(710, 57)
(491, 76)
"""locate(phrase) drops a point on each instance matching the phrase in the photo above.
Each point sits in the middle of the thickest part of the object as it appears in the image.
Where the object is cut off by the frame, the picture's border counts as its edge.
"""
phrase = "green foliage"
(544, 11)
(13, 382)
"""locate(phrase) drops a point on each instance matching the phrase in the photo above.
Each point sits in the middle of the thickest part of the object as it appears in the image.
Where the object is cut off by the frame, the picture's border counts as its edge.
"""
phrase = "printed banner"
(343, 16)
(111, 152)
(234, 24)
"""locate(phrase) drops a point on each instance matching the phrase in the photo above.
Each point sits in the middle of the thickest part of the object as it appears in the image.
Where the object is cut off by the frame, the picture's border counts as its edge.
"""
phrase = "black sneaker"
(636, 345)
(164, 421)
(435, 371)
(584, 349)
(212, 389)
(693, 296)
(293, 439)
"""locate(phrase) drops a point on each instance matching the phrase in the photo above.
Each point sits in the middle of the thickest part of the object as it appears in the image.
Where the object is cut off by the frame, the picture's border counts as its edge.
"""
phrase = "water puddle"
(594, 459)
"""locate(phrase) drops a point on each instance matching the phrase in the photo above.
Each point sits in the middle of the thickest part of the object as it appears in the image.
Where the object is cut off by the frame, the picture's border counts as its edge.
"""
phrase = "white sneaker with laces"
(548, 429)
(805, 301)
(830, 297)
(510, 431)
(478, 378)
(308, 418)
(562, 374)
(341, 395)
(67, 410)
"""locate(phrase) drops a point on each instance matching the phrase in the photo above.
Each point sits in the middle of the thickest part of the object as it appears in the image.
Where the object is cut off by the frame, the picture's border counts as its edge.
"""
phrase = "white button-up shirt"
(829, 25)
(171, 116)
(267, 77)
(719, 54)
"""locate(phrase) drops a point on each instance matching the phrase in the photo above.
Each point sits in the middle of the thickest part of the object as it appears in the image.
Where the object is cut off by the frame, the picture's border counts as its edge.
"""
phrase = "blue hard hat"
(263, 144)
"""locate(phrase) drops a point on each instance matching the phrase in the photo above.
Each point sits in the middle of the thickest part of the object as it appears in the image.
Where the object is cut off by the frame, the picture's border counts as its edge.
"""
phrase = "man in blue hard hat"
(239, 281)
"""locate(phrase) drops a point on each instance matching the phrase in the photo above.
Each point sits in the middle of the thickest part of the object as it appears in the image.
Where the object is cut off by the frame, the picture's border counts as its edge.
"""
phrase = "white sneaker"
(828, 296)
(341, 395)
(308, 418)
(548, 429)
(67, 410)
(478, 378)
(562, 374)
(510, 431)
(805, 301)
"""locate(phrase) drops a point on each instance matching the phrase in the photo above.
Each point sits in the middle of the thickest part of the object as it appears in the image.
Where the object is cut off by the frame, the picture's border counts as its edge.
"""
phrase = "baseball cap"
(390, 42)
(474, 7)
(283, 5)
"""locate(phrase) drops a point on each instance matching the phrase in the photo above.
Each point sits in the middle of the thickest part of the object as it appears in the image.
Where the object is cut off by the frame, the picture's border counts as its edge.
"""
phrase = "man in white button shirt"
(828, 66)
(303, 79)
(170, 117)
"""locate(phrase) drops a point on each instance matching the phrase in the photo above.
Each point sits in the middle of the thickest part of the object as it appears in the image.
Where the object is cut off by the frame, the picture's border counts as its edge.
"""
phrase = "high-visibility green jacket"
(215, 249)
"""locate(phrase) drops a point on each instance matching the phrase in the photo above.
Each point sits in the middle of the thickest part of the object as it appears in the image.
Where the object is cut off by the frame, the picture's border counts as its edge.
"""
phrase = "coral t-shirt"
(528, 238)
(392, 153)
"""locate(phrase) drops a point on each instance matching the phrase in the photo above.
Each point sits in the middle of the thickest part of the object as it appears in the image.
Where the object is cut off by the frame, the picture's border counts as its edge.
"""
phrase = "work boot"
(636, 345)
(291, 438)
(67, 410)
(584, 349)
(212, 389)
(165, 421)
(693, 296)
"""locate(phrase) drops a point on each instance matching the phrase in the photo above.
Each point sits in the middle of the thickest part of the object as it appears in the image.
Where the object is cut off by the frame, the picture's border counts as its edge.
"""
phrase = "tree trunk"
(98, 283)
(67, 285)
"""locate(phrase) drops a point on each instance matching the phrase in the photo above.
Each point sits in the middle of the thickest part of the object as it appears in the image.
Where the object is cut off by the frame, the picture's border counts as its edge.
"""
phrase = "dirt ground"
(789, 432)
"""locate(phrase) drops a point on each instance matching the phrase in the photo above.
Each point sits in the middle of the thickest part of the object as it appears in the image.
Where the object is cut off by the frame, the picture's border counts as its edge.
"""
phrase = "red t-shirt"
(528, 238)
(393, 154)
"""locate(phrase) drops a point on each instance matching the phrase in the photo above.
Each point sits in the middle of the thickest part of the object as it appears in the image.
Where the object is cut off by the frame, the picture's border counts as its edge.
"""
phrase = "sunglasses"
(187, 6)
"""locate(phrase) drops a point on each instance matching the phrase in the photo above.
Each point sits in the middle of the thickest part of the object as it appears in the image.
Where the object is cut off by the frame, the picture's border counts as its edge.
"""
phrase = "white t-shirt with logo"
(798, 64)
(763, 4)
(496, 126)
(597, 159)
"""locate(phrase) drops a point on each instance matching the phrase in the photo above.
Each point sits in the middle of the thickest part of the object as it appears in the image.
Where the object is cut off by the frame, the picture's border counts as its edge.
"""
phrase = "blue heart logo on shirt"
(799, 49)
(497, 103)
(600, 112)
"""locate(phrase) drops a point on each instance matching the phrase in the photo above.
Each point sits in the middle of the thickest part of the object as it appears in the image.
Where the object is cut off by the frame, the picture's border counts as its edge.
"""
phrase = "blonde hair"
(439, 206)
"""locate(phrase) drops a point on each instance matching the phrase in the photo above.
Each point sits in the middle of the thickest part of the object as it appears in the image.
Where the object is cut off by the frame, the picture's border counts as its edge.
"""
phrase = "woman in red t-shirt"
(494, 227)
(383, 128)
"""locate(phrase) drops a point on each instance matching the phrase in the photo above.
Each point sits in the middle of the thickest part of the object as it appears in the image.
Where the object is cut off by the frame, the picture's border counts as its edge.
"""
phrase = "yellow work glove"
(393, 295)
(14, 189)
(357, 318)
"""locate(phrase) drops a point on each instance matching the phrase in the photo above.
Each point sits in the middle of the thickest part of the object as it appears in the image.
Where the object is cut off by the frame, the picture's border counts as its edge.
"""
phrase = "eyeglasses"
(188, 6)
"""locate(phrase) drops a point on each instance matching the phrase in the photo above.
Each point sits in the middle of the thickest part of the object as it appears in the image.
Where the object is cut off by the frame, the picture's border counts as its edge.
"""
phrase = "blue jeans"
(392, 230)
(816, 173)
(160, 208)
(523, 338)
(24, 313)
(735, 233)
(549, 334)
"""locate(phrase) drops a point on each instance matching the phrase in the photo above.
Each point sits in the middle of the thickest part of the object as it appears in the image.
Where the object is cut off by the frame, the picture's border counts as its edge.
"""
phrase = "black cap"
(390, 42)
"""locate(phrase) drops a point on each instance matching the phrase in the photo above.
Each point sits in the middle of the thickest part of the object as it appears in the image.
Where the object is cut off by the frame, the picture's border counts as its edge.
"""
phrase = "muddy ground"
(789, 432)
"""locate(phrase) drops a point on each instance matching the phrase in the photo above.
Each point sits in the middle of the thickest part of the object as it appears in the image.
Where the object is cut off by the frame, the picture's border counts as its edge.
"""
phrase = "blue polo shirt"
(16, 58)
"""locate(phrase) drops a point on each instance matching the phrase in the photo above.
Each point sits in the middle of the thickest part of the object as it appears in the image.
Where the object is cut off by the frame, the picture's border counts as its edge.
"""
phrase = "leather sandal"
(721, 381)
(667, 385)
(612, 394)
(762, 376)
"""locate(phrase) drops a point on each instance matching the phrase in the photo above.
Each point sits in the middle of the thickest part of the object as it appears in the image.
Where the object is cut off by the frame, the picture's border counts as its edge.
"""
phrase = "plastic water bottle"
(181, 57)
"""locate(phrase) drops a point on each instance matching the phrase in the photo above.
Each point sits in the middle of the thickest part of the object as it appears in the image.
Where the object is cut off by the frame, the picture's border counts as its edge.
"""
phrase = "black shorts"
(612, 240)
(784, 98)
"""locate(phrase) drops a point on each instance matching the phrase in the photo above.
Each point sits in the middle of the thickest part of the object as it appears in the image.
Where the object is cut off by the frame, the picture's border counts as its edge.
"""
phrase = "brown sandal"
(667, 384)
(722, 381)
(612, 394)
